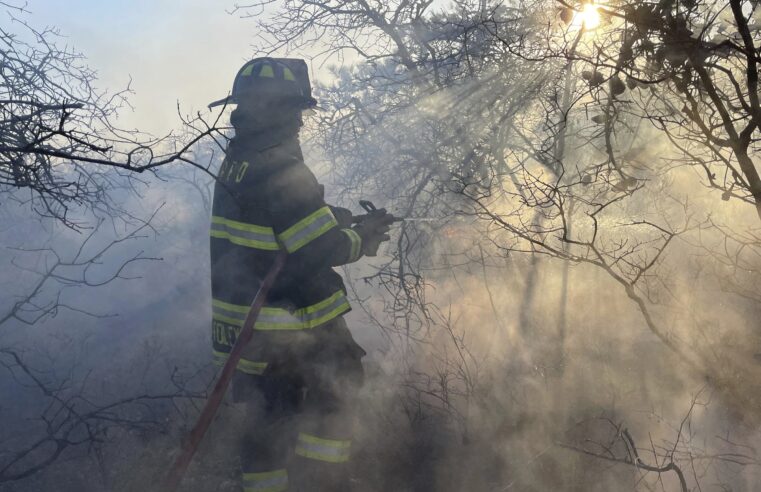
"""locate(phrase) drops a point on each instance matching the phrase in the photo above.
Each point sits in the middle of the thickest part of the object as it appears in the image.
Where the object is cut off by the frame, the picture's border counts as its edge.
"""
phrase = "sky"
(186, 51)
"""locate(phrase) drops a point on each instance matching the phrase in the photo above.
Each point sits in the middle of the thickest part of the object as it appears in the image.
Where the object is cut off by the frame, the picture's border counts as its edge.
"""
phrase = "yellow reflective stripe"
(228, 313)
(308, 229)
(340, 306)
(274, 318)
(243, 234)
(244, 365)
(304, 318)
(267, 71)
(314, 308)
(251, 367)
(235, 308)
(287, 74)
(315, 455)
(265, 475)
(243, 226)
(228, 320)
(333, 443)
(274, 481)
(355, 251)
(321, 449)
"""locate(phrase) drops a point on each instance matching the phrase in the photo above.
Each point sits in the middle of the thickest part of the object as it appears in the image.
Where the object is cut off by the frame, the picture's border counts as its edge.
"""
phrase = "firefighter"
(299, 375)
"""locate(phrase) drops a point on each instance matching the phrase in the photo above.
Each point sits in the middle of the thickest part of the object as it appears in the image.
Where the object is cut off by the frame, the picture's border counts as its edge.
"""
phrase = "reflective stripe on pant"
(268, 481)
(300, 411)
(321, 449)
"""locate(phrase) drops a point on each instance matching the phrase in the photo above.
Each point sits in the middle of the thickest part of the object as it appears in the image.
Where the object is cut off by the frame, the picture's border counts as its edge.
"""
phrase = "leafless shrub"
(58, 140)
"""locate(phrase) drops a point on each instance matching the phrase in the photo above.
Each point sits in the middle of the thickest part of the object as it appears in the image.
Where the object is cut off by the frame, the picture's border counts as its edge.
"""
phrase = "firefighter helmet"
(275, 79)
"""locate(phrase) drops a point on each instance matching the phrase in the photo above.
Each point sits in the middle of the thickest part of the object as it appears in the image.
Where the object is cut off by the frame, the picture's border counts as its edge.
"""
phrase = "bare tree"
(72, 416)
(64, 162)
(59, 142)
(64, 412)
(465, 121)
(682, 459)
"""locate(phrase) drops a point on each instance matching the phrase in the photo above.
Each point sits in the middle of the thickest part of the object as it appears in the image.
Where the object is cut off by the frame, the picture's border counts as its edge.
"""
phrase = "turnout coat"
(267, 200)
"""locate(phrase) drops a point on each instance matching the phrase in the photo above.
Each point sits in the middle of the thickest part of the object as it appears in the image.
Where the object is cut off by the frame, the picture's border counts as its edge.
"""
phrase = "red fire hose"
(177, 471)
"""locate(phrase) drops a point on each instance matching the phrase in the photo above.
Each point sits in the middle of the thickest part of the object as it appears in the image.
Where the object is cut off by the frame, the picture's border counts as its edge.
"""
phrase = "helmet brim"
(223, 102)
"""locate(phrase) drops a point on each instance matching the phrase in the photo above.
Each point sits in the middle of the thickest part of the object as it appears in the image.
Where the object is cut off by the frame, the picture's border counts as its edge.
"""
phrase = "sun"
(588, 18)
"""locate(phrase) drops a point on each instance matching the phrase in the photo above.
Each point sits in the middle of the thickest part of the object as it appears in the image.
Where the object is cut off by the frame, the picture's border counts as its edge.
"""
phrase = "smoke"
(467, 399)
(500, 357)
(509, 361)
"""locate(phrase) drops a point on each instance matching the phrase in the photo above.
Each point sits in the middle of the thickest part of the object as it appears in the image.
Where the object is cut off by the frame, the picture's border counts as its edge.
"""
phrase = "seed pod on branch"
(594, 78)
(675, 55)
(629, 183)
(616, 86)
(626, 54)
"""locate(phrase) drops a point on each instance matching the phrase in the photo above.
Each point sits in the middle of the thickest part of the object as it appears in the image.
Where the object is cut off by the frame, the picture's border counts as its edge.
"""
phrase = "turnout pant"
(299, 418)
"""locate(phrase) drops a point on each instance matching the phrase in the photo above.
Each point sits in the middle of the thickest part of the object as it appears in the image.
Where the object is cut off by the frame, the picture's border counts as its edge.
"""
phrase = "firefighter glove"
(343, 216)
(374, 230)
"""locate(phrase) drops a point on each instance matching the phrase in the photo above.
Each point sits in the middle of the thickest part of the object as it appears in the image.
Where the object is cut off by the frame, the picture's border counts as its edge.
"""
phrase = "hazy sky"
(174, 50)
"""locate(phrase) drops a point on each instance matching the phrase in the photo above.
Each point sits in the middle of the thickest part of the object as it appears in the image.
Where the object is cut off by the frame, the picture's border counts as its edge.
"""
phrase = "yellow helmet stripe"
(267, 71)
(248, 70)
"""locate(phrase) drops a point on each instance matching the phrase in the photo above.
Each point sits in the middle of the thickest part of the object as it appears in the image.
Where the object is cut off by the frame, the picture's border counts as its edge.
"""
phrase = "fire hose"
(190, 446)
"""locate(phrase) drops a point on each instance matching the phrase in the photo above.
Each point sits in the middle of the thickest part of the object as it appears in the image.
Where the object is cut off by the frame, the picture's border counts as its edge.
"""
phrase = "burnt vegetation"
(573, 303)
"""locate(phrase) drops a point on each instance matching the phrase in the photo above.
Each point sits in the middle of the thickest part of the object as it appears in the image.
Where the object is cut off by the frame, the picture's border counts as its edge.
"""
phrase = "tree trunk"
(751, 174)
